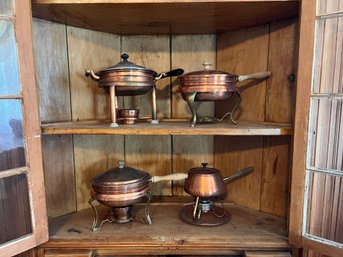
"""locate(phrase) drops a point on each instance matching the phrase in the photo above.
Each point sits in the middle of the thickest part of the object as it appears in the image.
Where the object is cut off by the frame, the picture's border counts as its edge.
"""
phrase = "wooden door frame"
(32, 132)
(302, 107)
(300, 145)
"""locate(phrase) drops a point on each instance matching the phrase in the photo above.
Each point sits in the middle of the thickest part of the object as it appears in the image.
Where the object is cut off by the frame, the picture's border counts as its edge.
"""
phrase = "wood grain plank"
(276, 175)
(54, 102)
(165, 16)
(247, 229)
(168, 127)
(280, 92)
(235, 50)
(51, 63)
(279, 107)
(94, 155)
(59, 177)
(190, 52)
(233, 154)
(95, 50)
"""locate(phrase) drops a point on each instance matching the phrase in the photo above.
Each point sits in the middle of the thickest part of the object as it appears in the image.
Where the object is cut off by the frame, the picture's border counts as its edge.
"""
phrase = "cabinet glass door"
(22, 206)
(323, 214)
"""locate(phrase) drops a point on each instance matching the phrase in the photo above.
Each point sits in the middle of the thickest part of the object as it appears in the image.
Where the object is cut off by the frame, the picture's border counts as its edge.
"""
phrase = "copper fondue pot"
(122, 187)
(207, 182)
(212, 85)
(128, 79)
(204, 184)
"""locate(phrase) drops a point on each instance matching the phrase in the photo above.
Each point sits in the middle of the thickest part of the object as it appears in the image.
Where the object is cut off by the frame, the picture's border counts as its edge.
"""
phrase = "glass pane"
(325, 207)
(329, 6)
(329, 57)
(9, 76)
(326, 130)
(15, 213)
(6, 7)
(12, 153)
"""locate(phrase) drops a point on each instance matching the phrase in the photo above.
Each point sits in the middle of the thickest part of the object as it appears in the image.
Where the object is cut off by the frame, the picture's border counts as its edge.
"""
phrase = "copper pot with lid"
(128, 79)
(212, 85)
(123, 186)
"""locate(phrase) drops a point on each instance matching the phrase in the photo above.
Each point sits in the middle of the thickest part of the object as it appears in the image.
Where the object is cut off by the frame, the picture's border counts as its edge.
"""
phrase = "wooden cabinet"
(236, 36)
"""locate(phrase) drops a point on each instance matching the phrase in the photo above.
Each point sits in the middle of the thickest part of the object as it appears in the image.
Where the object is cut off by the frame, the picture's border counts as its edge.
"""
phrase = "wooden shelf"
(164, 16)
(247, 229)
(167, 127)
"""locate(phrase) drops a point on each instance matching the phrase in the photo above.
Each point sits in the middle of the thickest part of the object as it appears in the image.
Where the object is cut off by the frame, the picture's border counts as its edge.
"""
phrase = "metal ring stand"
(190, 98)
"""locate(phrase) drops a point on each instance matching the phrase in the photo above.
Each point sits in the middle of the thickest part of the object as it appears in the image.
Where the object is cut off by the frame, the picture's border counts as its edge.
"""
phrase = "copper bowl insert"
(127, 116)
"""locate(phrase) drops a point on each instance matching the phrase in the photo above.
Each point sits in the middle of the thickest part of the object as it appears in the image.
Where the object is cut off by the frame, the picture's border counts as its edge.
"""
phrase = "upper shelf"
(164, 16)
(168, 127)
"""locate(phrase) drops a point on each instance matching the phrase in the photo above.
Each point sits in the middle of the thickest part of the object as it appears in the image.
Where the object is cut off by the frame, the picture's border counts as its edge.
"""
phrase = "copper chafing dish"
(206, 185)
(212, 85)
(128, 79)
(120, 188)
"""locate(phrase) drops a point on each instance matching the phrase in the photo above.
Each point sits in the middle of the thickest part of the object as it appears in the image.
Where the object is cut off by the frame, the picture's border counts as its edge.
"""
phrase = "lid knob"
(207, 65)
(125, 56)
(204, 164)
(121, 164)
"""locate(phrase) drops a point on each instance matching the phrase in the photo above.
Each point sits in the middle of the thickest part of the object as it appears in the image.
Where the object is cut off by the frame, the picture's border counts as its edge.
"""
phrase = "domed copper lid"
(121, 180)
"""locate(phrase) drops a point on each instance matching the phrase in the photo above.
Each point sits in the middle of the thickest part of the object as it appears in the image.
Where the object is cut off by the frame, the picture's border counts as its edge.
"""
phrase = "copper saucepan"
(212, 85)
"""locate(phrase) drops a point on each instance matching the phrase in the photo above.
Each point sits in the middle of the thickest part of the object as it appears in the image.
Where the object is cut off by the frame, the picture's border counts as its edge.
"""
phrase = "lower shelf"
(247, 230)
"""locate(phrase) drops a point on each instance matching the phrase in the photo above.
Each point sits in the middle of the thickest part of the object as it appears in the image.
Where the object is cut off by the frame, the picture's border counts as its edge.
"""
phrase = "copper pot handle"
(238, 174)
(258, 75)
(89, 72)
(175, 176)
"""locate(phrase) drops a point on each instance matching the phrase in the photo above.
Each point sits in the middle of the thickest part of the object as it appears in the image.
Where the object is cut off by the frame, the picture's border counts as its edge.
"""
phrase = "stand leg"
(191, 103)
(153, 105)
(113, 103)
(235, 107)
(96, 216)
(147, 215)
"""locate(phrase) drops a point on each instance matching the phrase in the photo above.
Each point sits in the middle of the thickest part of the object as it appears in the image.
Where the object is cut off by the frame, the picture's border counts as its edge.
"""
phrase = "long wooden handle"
(175, 176)
(258, 75)
(238, 174)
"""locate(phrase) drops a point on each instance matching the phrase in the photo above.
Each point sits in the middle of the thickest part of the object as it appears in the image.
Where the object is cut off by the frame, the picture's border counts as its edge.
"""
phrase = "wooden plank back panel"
(153, 153)
(280, 93)
(190, 52)
(95, 50)
(51, 61)
(59, 178)
(275, 175)
(280, 96)
(242, 52)
(94, 155)
(233, 154)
